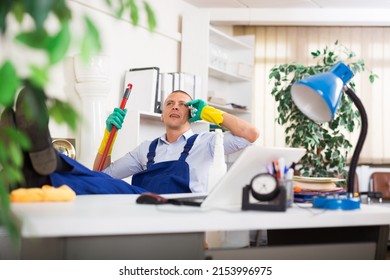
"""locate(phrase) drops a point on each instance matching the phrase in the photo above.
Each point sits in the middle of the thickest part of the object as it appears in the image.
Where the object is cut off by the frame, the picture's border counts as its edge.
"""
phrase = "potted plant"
(326, 144)
(54, 45)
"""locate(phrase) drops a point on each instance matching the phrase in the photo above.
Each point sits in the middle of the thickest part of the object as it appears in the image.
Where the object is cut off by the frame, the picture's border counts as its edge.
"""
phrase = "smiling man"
(179, 160)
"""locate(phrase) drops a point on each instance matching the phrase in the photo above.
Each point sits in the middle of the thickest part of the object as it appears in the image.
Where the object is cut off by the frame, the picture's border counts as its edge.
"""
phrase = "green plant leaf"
(36, 39)
(62, 11)
(39, 12)
(58, 45)
(13, 174)
(274, 74)
(372, 77)
(5, 8)
(152, 23)
(120, 11)
(63, 112)
(5, 217)
(16, 155)
(9, 83)
(18, 11)
(316, 53)
(17, 137)
(39, 76)
(134, 16)
(91, 43)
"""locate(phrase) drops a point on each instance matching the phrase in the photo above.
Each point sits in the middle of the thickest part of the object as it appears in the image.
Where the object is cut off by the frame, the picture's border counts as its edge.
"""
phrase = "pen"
(270, 169)
(277, 170)
(274, 168)
(290, 174)
(282, 166)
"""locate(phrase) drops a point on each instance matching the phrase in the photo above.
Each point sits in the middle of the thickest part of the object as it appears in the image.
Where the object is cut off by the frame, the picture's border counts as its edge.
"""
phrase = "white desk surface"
(98, 215)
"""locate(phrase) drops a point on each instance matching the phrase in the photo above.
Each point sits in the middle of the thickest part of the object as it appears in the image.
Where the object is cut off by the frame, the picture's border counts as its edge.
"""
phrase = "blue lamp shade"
(318, 96)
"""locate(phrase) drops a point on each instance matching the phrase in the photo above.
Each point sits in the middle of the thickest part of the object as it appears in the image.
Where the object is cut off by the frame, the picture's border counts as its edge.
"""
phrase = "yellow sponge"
(46, 193)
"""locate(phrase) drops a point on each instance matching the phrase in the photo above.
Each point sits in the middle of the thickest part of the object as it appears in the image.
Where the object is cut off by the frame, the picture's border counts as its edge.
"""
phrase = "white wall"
(125, 45)
(350, 16)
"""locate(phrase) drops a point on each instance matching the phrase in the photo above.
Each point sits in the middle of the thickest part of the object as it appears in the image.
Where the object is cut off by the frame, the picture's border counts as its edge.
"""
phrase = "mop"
(114, 128)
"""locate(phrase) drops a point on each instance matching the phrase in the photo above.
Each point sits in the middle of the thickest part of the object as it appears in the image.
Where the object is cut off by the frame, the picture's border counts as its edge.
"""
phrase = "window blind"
(279, 45)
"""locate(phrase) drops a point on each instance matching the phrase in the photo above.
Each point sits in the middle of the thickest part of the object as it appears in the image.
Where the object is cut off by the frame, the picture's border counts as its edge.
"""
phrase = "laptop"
(227, 193)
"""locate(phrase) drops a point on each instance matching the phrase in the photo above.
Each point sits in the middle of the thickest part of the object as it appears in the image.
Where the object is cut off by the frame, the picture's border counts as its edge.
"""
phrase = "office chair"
(370, 195)
(380, 182)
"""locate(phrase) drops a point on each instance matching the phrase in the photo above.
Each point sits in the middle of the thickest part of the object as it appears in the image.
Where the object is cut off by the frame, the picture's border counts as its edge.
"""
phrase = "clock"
(264, 187)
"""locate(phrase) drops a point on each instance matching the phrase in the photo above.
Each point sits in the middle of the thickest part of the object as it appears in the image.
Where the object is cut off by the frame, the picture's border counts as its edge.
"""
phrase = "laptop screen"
(253, 160)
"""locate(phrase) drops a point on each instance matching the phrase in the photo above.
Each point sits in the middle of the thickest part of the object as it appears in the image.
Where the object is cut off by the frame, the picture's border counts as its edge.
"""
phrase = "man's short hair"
(181, 91)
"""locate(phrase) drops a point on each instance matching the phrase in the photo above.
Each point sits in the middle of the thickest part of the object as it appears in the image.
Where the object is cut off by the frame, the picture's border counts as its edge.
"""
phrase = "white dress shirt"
(199, 159)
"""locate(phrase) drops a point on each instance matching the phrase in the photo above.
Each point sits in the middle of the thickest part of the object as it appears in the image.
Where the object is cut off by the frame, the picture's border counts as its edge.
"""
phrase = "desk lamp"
(318, 97)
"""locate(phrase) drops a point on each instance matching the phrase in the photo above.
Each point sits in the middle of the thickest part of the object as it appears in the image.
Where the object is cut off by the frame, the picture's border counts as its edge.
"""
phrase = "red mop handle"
(114, 128)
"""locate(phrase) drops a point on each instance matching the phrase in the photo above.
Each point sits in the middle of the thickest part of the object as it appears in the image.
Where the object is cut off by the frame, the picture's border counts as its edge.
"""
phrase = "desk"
(115, 227)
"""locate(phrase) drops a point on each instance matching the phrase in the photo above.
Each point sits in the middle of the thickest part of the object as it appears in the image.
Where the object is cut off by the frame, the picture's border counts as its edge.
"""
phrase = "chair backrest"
(380, 182)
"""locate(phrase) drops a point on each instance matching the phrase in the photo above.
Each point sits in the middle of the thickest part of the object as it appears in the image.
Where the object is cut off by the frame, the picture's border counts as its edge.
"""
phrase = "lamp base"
(336, 203)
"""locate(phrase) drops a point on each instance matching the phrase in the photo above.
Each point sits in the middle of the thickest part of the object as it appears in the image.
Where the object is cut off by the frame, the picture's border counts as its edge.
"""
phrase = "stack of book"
(305, 188)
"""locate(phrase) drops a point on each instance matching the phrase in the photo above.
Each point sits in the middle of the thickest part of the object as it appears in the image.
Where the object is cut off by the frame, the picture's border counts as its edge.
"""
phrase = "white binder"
(145, 92)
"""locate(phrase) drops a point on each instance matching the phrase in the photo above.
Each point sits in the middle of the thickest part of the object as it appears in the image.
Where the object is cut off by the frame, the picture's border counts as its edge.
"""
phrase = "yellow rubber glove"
(104, 143)
(201, 111)
(114, 119)
(46, 193)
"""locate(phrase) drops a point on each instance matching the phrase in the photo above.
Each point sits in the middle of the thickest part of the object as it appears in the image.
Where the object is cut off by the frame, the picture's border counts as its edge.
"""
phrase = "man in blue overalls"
(176, 162)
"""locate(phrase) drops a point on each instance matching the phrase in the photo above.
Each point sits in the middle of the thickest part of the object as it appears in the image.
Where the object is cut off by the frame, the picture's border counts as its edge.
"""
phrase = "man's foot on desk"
(32, 118)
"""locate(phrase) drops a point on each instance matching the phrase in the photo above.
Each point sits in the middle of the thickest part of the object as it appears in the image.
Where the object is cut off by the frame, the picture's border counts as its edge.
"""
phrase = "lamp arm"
(360, 142)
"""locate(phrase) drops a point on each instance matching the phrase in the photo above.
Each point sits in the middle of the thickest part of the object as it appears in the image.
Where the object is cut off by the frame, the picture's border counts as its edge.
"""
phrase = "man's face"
(175, 112)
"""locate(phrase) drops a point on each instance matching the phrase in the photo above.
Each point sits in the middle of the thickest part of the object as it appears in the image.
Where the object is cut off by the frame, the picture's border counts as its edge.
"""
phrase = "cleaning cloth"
(46, 193)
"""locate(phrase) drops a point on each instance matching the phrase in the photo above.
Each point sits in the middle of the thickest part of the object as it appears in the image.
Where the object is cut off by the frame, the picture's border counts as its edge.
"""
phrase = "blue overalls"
(85, 181)
(168, 176)
(164, 177)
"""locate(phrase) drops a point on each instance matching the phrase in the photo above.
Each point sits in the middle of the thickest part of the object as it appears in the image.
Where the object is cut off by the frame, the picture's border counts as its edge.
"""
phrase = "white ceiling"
(299, 4)
(279, 12)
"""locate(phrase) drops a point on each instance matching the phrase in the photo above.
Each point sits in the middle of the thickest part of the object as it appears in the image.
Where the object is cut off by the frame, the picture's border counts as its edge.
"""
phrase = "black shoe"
(32, 118)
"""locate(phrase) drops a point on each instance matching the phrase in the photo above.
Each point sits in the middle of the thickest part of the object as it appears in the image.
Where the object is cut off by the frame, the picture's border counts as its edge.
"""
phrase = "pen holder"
(288, 185)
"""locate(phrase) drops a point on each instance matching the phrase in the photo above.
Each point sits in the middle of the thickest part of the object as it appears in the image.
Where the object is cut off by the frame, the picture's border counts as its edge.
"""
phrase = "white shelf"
(229, 108)
(219, 38)
(224, 75)
(224, 62)
(150, 116)
(231, 57)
